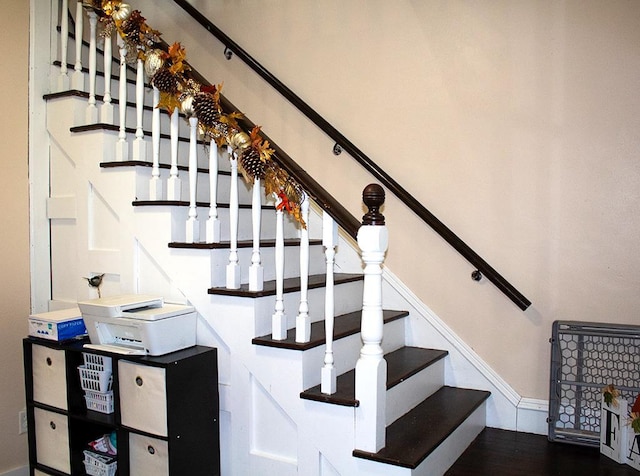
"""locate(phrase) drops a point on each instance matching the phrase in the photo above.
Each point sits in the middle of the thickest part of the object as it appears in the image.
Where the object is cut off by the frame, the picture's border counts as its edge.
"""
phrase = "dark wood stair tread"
(401, 364)
(143, 163)
(344, 325)
(290, 285)
(241, 244)
(415, 435)
(185, 203)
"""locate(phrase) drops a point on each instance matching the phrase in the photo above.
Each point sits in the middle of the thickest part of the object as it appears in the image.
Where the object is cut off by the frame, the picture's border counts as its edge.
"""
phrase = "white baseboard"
(22, 471)
(532, 416)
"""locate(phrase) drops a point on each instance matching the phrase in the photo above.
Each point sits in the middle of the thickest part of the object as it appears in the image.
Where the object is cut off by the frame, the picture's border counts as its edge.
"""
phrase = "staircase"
(275, 418)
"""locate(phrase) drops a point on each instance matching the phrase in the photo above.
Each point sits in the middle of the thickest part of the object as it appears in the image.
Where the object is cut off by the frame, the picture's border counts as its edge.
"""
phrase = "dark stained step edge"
(419, 432)
(143, 163)
(290, 285)
(344, 326)
(401, 365)
(241, 244)
(184, 203)
(101, 126)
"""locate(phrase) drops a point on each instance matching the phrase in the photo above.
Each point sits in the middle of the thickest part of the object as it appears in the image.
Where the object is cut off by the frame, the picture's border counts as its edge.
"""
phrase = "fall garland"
(168, 71)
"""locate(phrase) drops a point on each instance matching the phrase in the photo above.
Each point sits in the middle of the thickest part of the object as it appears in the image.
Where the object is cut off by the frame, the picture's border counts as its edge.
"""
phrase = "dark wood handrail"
(394, 187)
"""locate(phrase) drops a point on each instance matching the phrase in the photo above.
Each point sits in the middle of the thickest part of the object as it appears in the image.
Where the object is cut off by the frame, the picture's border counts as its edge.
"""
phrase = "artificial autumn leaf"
(208, 88)
(169, 102)
(177, 55)
(610, 394)
(635, 422)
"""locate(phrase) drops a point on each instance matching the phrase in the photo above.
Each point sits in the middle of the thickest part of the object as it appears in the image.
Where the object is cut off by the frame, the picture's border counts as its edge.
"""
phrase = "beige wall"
(515, 122)
(14, 231)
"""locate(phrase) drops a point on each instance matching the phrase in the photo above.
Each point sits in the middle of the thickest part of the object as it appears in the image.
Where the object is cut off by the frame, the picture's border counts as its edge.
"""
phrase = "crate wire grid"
(96, 362)
(95, 380)
(586, 357)
(96, 464)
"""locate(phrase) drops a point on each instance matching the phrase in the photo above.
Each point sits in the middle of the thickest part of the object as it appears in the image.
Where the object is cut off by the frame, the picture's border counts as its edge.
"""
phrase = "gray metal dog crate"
(585, 358)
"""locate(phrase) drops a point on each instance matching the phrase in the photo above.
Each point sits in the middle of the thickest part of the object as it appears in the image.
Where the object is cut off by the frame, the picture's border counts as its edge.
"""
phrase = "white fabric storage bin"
(52, 440)
(49, 376)
(148, 456)
(143, 397)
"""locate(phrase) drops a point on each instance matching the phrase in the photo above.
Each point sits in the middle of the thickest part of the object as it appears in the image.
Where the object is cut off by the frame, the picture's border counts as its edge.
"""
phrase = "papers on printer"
(138, 324)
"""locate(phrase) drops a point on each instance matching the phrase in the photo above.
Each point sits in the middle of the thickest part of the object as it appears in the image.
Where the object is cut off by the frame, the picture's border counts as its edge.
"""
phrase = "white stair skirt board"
(441, 459)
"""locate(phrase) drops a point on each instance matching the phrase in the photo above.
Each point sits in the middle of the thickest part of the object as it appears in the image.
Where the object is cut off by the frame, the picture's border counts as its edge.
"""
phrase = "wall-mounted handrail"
(394, 187)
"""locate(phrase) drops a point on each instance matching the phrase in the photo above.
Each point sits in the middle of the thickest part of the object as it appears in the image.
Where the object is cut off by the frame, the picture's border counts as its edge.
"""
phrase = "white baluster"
(106, 110)
(303, 321)
(122, 147)
(193, 229)
(329, 241)
(233, 268)
(279, 319)
(77, 80)
(174, 184)
(155, 187)
(213, 223)
(256, 271)
(63, 78)
(371, 368)
(92, 109)
(139, 144)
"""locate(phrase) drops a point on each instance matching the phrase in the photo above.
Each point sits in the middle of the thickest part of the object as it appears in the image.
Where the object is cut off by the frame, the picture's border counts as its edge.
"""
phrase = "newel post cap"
(373, 198)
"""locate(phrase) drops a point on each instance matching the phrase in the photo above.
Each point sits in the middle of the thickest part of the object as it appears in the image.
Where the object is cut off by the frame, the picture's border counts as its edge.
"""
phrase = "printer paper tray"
(117, 349)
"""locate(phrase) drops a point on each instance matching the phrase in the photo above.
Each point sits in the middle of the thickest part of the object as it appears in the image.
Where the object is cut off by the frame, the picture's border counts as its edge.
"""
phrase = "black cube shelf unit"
(165, 415)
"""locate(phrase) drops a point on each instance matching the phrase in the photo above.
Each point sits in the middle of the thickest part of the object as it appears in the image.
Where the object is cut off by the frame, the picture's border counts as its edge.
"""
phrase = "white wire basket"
(95, 380)
(98, 401)
(97, 362)
(99, 465)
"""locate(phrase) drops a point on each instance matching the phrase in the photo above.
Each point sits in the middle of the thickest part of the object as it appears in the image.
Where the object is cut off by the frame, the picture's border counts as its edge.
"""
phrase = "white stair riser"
(347, 351)
(348, 298)
(410, 392)
(245, 231)
(220, 259)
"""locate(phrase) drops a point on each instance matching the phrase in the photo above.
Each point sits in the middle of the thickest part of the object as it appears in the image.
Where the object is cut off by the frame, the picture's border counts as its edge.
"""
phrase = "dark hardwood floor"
(499, 452)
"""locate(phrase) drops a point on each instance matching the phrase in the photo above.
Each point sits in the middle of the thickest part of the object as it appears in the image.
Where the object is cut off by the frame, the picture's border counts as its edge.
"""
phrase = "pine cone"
(165, 81)
(206, 109)
(132, 25)
(250, 161)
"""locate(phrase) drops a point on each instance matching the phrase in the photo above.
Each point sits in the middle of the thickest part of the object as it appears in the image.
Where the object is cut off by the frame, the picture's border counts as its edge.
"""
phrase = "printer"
(138, 324)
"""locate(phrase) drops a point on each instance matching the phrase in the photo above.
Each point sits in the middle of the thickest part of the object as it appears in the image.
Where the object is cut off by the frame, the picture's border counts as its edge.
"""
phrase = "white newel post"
(279, 319)
(63, 78)
(371, 368)
(106, 110)
(303, 321)
(122, 147)
(92, 109)
(213, 223)
(174, 184)
(77, 80)
(155, 187)
(256, 271)
(193, 230)
(233, 267)
(139, 144)
(328, 375)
